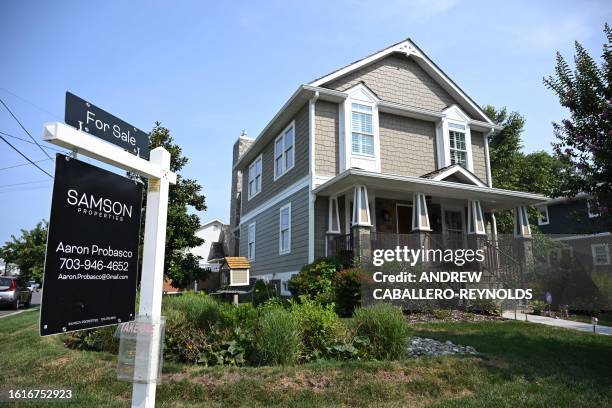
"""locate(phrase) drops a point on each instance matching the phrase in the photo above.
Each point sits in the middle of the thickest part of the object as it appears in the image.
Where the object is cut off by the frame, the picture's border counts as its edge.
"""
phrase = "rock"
(418, 346)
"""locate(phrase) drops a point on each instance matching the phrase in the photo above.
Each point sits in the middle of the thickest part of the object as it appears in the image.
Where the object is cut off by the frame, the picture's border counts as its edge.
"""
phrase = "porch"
(452, 209)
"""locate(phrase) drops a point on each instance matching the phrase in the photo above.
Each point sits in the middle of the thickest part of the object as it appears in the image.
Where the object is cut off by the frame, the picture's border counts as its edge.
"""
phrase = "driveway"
(7, 311)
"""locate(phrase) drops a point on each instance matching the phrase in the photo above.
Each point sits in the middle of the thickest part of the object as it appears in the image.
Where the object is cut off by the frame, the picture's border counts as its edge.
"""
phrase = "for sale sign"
(92, 249)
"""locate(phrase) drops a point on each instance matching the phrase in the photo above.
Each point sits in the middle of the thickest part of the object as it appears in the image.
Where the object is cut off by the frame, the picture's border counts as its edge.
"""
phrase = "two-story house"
(376, 154)
(579, 224)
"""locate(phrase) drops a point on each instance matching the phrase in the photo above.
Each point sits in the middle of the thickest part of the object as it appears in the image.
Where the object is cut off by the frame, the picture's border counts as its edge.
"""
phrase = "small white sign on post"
(157, 171)
(134, 365)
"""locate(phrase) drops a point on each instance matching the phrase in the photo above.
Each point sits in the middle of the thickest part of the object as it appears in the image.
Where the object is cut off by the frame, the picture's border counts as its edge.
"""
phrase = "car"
(33, 286)
(14, 292)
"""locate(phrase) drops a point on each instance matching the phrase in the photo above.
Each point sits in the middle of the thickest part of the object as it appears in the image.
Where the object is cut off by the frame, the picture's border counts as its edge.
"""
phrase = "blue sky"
(206, 70)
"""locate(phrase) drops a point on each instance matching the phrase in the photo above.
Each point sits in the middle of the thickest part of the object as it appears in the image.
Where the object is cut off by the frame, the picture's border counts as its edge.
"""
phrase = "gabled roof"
(455, 170)
(410, 49)
(237, 262)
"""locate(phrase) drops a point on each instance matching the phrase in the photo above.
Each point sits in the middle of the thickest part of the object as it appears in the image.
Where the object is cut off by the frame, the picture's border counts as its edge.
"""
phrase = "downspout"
(311, 173)
(490, 183)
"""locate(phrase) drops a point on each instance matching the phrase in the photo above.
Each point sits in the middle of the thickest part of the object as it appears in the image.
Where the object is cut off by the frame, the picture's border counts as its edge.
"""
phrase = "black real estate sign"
(89, 118)
(92, 249)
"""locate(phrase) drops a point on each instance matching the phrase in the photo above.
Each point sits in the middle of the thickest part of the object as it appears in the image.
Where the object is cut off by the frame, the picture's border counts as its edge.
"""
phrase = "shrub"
(347, 291)
(277, 338)
(385, 328)
(538, 306)
(262, 292)
(316, 280)
(488, 307)
(102, 339)
(198, 308)
(319, 327)
(441, 314)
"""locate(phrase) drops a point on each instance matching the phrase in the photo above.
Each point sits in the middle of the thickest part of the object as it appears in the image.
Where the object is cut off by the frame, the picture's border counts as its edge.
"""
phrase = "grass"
(605, 319)
(522, 364)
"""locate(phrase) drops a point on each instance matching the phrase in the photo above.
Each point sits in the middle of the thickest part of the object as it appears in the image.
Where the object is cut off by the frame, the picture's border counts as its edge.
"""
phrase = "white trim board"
(292, 189)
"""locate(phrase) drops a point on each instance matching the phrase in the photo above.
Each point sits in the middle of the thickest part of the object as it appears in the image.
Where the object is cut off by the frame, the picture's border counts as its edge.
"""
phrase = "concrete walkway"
(568, 324)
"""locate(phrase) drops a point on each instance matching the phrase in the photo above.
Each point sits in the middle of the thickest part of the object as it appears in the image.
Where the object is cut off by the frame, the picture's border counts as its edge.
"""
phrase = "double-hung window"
(458, 149)
(361, 129)
(255, 178)
(593, 208)
(284, 233)
(284, 151)
(543, 215)
(251, 242)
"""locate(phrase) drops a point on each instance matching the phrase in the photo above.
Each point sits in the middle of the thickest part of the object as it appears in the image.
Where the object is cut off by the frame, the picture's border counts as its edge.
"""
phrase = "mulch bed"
(450, 316)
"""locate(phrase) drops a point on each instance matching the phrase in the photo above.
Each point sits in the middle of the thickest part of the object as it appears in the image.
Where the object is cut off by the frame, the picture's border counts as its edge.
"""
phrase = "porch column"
(420, 219)
(361, 224)
(475, 224)
(333, 225)
(522, 236)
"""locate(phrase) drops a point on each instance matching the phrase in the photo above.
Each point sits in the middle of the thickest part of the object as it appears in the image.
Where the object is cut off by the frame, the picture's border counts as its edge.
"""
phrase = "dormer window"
(458, 149)
(361, 127)
(454, 139)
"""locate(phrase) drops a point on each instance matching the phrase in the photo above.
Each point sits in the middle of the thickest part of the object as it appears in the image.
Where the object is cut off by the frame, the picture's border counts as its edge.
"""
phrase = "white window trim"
(251, 257)
(282, 135)
(540, 219)
(280, 226)
(362, 95)
(589, 209)
(333, 205)
(455, 115)
(249, 195)
(594, 253)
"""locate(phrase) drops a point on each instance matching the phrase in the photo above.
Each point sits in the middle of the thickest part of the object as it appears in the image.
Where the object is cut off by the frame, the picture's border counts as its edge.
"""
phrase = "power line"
(55, 116)
(29, 141)
(22, 164)
(24, 129)
(25, 183)
(18, 190)
(25, 157)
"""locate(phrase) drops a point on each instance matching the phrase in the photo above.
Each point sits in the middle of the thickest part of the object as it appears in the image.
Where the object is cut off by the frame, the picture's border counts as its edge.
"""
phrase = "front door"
(404, 223)
(453, 225)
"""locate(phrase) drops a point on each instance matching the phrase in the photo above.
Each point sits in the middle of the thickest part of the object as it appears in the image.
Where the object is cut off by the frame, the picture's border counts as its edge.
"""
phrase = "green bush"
(385, 328)
(441, 314)
(319, 327)
(347, 291)
(198, 308)
(101, 339)
(262, 292)
(316, 280)
(538, 306)
(277, 337)
(488, 307)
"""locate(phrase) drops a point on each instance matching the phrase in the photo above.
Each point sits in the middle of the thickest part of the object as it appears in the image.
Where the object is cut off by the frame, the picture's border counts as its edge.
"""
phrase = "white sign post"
(157, 171)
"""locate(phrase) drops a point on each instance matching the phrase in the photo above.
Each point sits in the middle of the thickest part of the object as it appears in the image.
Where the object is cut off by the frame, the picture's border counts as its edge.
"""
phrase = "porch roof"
(490, 198)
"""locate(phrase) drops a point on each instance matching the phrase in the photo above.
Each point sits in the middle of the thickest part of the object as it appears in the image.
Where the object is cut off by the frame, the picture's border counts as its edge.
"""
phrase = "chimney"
(240, 146)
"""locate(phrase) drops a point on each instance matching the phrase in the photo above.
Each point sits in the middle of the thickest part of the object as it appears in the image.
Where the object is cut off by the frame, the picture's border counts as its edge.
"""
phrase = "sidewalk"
(568, 324)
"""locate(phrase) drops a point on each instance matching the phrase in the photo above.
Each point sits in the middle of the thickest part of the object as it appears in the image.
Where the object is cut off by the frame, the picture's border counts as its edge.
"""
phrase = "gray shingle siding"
(478, 155)
(326, 138)
(398, 79)
(407, 146)
(269, 187)
(267, 258)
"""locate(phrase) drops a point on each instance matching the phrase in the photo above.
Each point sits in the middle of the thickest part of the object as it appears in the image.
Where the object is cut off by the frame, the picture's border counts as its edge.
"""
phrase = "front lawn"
(522, 364)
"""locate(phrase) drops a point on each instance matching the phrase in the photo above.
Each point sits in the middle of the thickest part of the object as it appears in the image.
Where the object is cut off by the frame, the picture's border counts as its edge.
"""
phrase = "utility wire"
(19, 190)
(29, 141)
(24, 129)
(53, 115)
(22, 164)
(25, 183)
(26, 157)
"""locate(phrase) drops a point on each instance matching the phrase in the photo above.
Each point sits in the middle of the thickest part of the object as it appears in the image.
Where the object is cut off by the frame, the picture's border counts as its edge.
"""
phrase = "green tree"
(180, 266)
(28, 251)
(537, 172)
(585, 139)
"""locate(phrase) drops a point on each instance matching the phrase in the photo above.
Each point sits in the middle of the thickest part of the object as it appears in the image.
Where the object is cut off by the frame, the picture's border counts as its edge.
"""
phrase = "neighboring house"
(578, 223)
(214, 248)
(385, 151)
